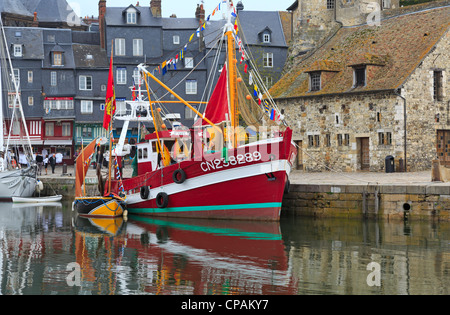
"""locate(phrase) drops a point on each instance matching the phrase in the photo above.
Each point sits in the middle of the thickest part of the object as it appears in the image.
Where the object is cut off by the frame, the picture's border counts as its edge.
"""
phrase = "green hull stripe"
(206, 208)
(211, 230)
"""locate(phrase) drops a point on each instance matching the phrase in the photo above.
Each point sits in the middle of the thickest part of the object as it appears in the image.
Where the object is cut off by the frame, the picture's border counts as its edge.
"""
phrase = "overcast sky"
(182, 8)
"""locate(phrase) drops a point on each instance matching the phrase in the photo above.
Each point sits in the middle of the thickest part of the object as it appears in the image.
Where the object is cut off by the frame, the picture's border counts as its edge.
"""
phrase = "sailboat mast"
(17, 98)
(232, 77)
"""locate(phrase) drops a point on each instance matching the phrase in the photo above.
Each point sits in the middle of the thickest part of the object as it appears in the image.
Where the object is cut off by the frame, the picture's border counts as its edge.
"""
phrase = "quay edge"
(395, 201)
(382, 201)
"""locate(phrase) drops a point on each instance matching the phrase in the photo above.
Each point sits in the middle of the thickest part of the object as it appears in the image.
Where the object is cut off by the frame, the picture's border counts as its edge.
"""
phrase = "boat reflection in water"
(182, 256)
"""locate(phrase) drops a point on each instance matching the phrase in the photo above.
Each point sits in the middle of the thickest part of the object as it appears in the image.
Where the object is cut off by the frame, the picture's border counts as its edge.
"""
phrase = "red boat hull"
(248, 188)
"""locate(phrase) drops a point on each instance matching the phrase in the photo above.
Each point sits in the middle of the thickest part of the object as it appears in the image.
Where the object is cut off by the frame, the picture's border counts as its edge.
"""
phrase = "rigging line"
(215, 65)
(183, 79)
(332, 169)
(199, 53)
(256, 71)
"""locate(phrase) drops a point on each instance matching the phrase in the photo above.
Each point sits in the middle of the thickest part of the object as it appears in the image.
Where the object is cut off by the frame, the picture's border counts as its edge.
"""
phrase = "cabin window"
(143, 153)
(314, 81)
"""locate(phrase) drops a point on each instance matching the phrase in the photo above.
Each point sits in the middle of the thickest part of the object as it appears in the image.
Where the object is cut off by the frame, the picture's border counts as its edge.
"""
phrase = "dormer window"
(314, 81)
(57, 56)
(57, 59)
(359, 76)
(265, 36)
(131, 17)
(131, 14)
(17, 50)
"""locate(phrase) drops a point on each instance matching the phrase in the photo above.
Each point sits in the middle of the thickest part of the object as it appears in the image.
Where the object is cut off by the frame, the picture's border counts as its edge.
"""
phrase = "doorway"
(364, 153)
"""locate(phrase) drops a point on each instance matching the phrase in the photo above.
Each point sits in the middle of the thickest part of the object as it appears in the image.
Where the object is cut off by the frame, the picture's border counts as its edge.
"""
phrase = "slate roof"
(393, 50)
(14, 7)
(47, 10)
(115, 17)
(254, 22)
(30, 38)
(89, 56)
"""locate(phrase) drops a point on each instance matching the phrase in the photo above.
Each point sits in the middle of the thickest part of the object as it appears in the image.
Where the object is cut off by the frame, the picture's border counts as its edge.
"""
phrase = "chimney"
(35, 20)
(102, 22)
(155, 8)
(200, 13)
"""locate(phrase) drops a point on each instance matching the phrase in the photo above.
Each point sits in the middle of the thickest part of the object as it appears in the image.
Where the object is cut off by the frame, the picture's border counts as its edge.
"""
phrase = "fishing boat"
(14, 181)
(234, 163)
(108, 204)
(102, 206)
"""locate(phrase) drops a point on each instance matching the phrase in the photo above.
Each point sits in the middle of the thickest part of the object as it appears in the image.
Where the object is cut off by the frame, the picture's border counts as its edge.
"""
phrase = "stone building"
(373, 91)
(314, 21)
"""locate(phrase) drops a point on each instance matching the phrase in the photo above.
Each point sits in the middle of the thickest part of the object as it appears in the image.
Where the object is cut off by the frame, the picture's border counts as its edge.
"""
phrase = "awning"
(23, 142)
(58, 142)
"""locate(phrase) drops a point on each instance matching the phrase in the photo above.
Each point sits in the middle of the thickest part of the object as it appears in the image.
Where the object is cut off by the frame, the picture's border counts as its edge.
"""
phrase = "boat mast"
(2, 147)
(232, 77)
(17, 99)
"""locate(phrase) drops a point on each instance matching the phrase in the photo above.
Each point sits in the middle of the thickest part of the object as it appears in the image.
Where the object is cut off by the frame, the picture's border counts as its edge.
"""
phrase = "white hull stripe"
(215, 178)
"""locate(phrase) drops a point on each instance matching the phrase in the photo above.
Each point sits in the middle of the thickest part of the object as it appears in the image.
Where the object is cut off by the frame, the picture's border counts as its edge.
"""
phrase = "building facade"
(371, 93)
(63, 63)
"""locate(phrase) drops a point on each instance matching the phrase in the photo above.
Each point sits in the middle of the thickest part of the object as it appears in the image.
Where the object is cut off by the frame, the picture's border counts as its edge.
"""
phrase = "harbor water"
(49, 250)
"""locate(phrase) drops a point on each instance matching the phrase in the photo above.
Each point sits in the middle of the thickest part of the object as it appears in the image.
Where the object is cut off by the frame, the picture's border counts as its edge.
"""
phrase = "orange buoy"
(159, 110)
(239, 79)
(249, 97)
(163, 126)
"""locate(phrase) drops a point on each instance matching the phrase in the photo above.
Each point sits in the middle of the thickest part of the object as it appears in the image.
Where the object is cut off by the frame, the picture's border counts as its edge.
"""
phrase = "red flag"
(110, 105)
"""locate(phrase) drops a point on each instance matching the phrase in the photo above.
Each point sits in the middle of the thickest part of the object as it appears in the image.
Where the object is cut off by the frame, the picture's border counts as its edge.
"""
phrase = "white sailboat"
(14, 182)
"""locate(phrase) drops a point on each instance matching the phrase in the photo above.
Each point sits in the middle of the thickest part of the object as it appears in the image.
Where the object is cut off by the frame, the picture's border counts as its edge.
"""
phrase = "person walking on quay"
(46, 163)
(52, 162)
(40, 163)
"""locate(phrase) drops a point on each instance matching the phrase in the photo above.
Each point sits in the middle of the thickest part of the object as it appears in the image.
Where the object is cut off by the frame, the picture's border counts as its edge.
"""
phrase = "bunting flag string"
(162, 68)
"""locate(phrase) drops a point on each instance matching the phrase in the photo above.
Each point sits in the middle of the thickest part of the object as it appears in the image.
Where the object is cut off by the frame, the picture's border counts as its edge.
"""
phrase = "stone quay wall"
(396, 202)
